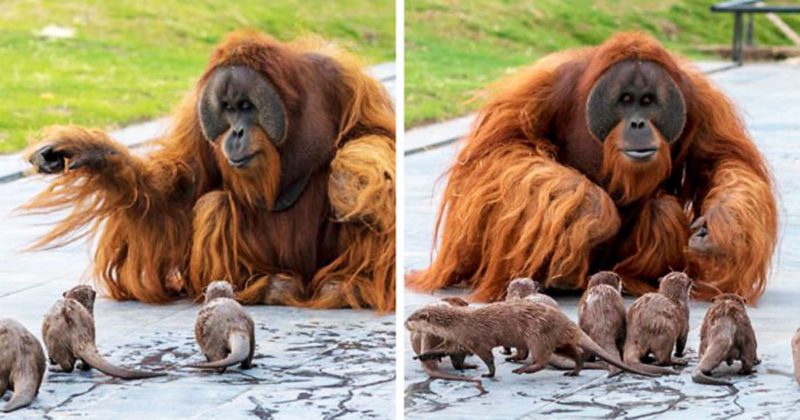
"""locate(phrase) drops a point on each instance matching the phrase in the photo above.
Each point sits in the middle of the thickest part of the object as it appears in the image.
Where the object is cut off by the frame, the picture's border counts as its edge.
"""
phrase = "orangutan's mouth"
(240, 162)
(640, 154)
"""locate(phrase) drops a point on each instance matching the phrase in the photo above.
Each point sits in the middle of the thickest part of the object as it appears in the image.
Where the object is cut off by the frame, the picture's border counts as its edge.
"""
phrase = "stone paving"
(309, 364)
(767, 96)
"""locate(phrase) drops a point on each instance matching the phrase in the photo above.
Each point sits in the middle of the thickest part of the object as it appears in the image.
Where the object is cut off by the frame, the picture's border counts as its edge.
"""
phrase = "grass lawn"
(455, 47)
(133, 60)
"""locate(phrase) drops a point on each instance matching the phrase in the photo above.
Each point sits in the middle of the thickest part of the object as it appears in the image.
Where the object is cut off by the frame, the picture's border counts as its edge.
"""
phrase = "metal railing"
(744, 36)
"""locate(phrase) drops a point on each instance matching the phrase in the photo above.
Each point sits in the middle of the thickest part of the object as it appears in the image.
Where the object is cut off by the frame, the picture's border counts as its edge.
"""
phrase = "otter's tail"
(653, 370)
(701, 378)
(91, 357)
(239, 343)
(587, 344)
(712, 357)
(24, 394)
(431, 368)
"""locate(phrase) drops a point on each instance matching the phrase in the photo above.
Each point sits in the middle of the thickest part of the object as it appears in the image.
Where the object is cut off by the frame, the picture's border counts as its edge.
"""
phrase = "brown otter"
(659, 322)
(69, 335)
(525, 288)
(22, 364)
(726, 335)
(528, 289)
(539, 328)
(601, 313)
(424, 342)
(224, 330)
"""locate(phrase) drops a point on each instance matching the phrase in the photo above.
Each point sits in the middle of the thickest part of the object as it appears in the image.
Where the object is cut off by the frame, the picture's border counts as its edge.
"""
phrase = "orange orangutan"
(277, 175)
(621, 156)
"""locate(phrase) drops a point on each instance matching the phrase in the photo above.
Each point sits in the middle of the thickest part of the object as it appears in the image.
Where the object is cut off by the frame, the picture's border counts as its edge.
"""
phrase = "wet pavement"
(766, 94)
(308, 364)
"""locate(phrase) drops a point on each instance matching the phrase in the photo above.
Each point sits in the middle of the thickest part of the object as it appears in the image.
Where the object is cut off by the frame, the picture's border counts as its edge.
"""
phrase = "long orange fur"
(511, 208)
(181, 213)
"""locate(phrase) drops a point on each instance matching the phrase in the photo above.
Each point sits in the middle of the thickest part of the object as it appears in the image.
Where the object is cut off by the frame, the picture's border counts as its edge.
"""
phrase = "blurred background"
(455, 47)
(112, 63)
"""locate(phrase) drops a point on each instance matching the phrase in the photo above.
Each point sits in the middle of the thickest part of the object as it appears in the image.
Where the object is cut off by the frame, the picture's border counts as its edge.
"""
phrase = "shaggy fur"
(181, 216)
(534, 194)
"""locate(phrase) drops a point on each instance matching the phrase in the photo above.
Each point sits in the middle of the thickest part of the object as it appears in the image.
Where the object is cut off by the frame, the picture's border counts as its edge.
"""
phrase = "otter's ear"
(618, 280)
(460, 302)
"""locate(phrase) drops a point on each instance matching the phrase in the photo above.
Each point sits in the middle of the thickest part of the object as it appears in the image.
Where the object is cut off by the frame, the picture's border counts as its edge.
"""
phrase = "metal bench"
(739, 8)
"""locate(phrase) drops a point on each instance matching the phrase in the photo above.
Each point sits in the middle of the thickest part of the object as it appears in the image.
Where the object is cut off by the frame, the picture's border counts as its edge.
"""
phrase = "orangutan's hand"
(69, 148)
(701, 240)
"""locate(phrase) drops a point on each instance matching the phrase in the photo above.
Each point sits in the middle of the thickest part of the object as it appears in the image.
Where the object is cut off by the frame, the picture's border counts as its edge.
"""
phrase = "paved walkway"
(767, 96)
(309, 364)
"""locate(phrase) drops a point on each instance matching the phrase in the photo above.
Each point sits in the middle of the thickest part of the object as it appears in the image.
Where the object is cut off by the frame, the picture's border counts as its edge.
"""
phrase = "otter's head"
(605, 277)
(729, 297)
(521, 288)
(438, 318)
(675, 285)
(85, 295)
(219, 289)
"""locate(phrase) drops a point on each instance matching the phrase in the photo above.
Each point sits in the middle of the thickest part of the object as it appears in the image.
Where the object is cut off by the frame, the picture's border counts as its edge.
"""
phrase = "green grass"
(133, 60)
(455, 47)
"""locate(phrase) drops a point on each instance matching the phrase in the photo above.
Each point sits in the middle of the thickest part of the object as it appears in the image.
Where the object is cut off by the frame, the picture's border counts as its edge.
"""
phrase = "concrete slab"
(767, 97)
(309, 364)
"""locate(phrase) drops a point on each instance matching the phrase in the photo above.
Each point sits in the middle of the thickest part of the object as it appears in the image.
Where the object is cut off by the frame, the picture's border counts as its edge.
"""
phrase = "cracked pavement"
(331, 364)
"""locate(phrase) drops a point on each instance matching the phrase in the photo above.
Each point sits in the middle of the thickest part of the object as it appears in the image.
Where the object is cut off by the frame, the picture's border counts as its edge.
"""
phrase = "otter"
(726, 335)
(601, 313)
(424, 342)
(224, 330)
(22, 364)
(659, 322)
(541, 329)
(528, 289)
(69, 335)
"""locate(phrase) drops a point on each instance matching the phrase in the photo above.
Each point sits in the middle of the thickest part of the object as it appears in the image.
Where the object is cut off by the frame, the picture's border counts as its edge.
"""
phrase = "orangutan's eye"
(626, 99)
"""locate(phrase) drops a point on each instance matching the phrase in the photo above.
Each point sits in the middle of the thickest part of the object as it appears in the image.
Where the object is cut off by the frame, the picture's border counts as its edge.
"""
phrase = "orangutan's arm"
(361, 189)
(734, 237)
(139, 209)
(735, 229)
(98, 172)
